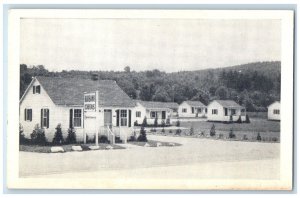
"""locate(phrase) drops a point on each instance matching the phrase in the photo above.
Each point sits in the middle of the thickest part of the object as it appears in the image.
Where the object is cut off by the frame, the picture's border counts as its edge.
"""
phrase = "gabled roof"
(195, 103)
(70, 91)
(273, 103)
(228, 103)
(157, 105)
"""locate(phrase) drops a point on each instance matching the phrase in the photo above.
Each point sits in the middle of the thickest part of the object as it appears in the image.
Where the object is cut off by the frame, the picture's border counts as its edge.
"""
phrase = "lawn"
(153, 143)
(67, 148)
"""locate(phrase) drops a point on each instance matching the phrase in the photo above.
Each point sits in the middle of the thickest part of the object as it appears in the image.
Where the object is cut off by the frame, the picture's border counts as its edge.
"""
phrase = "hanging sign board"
(90, 101)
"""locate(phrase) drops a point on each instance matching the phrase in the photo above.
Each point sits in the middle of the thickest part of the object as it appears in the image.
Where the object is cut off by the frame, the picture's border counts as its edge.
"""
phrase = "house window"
(184, 110)
(77, 118)
(36, 89)
(276, 111)
(45, 118)
(193, 109)
(199, 110)
(138, 114)
(233, 112)
(153, 114)
(123, 117)
(28, 115)
(214, 111)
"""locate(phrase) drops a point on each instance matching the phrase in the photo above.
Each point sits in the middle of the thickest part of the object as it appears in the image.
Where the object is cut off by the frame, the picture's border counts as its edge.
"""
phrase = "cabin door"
(226, 112)
(108, 118)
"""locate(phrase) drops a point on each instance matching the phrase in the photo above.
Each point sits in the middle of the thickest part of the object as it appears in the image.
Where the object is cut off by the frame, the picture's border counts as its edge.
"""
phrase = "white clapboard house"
(152, 110)
(274, 111)
(224, 110)
(192, 109)
(52, 100)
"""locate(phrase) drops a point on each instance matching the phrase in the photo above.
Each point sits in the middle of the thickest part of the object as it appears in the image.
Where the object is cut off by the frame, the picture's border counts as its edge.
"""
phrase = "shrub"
(163, 130)
(22, 138)
(170, 131)
(239, 120)
(144, 124)
(202, 133)
(197, 115)
(178, 123)
(178, 132)
(103, 139)
(38, 136)
(136, 123)
(192, 130)
(274, 139)
(156, 122)
(132, 138)
(58, 136)
(258, 137)
(168, 122)
(230, 118)
(153, 130)
(247, 119)
(231, 134)
(221, 136)
(212, 130)
(71, 138)
(163, 123)
(142, 137)
(245, 137)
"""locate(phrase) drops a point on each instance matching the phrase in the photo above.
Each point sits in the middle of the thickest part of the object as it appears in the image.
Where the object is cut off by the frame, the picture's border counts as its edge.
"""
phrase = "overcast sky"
(168, 44)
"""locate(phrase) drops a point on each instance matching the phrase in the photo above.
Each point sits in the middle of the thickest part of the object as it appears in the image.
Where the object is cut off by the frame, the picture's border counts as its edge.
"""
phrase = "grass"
(67, 148)
(153, 143)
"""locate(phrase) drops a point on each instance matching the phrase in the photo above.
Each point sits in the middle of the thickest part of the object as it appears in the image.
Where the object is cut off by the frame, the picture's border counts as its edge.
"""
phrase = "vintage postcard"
(150, 99)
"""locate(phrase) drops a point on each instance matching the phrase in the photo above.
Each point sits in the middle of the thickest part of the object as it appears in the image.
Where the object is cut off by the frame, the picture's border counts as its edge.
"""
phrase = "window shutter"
(25, 114)
(117, 111)
(38, 89)
(41, 118)
(33, 89)
(71, 118)
(30, 117)
(129, 118)
(47, 118)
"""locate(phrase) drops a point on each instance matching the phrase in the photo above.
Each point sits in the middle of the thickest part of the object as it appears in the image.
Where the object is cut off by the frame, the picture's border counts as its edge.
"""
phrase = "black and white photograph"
(139, 99)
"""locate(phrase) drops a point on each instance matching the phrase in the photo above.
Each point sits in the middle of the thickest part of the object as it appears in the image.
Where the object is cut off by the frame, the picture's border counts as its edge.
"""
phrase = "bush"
(103, 139)
(202, 133)
(274, 139)
(239, 120)
(163, 130)
(38, 136)
(142, 137)
(153, 130)
(231, 134)
(178, 123)
(258, 137)
(230, 118)
(247, 119)
(71, 138)
(156, 122)
(136, 123)
(170, 131)
(58, 136)
(212, 130)
(168, 121)
(178, 132)
(163, 123)
(245, 137)
(22, 139)
(221, 136)
(144, 124)
(192, 130)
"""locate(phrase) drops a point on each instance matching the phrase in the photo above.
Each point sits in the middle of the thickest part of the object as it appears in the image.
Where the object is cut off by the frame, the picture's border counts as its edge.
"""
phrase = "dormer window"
(36, 89)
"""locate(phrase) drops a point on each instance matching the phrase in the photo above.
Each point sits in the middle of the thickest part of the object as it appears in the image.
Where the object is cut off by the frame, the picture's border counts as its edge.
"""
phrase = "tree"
(222, 93)
(143, 136)
(22, 138)
(127, 69)
(212, 130)
(144, 124)
(58, 136)
(71, 138)
(38, 136)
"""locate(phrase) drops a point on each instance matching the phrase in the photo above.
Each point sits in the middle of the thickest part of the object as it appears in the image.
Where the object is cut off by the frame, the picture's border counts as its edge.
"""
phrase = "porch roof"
(70, 91)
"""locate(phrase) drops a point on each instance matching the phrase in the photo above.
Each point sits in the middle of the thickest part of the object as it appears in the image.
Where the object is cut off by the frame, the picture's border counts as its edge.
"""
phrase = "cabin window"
(123, 117)
(77, 118)
(45, 118)
(28, 115)
(205, 110)
(163, 115)
(276, 111)
(233, 111)
(153, 114)
(36, 89)
(138, 114)
(199, 110)
(214, 111)
(184, 110)
(193, 109)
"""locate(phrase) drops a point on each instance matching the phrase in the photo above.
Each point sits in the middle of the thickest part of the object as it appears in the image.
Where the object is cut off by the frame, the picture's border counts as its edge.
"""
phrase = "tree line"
(253, 85)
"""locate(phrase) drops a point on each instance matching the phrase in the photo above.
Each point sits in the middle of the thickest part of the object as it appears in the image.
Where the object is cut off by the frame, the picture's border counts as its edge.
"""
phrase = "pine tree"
(143, 136)
(58, 136)
(212, 130)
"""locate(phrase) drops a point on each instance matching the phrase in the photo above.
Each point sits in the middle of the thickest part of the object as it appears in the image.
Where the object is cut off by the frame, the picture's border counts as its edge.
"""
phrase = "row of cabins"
(51, 100)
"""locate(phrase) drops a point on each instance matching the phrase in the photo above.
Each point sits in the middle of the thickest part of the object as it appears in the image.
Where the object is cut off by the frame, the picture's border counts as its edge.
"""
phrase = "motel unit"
(274, 111)
(152, 110)
(49, 101)
(225, 111)
(192, 109)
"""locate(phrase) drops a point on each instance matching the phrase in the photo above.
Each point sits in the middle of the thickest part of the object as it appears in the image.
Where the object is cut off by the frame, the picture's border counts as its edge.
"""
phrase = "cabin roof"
(229, 103)
(195, 103)
(157, 105)
(70, 91)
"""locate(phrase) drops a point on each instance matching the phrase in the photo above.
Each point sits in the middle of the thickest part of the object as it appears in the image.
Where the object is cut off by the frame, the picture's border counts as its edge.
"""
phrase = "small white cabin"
(152, 110)
(192, 109)
(274, 111)
(225, 111)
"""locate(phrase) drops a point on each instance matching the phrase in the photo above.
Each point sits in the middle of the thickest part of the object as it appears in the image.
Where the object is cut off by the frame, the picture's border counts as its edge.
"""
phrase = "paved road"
(195, 158)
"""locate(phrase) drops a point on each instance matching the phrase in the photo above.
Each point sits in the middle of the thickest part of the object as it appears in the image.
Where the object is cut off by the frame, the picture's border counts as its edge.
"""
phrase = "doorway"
(108, 118)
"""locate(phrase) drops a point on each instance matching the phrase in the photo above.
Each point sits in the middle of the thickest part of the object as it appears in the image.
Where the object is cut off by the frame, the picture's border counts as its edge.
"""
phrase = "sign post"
(91, 106)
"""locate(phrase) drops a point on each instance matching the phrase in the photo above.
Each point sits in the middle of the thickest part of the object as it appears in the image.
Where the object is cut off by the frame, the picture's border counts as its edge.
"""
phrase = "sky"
(145, 44)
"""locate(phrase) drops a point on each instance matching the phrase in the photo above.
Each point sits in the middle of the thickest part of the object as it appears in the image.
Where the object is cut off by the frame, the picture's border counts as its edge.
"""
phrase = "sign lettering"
(90, 101)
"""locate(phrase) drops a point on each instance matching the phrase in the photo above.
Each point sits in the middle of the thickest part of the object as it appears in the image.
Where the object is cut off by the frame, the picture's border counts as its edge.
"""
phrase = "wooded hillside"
(254, 85)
